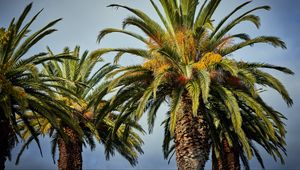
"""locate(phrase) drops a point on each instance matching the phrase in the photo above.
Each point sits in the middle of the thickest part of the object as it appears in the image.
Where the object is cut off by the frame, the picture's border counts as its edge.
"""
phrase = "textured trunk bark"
(191, 138)
(6, 139)
(70, 157)
(3, 143)
(230, 160)
(6, 143)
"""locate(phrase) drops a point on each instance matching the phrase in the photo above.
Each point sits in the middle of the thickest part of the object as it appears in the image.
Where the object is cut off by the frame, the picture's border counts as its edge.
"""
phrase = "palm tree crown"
(84, 92)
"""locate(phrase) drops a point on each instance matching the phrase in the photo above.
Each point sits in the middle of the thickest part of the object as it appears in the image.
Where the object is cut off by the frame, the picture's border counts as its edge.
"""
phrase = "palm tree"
(187, 65)
(88, 91)
(21, 89)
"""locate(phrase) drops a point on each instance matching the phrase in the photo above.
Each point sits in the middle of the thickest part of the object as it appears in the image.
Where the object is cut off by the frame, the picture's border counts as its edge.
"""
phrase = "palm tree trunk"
(191, 138)
(230, 158)
(70, 157)
(3, 143)
(6, 139)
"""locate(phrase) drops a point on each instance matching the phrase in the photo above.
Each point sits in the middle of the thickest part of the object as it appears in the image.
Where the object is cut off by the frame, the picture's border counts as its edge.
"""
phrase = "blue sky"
(82, 20)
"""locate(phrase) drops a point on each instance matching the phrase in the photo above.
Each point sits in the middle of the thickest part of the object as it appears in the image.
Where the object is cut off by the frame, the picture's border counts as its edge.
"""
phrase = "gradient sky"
(82, 20)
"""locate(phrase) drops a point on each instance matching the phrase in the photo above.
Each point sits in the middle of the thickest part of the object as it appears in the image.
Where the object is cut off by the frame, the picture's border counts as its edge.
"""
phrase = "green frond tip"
(270, 66)
(106, 31)
(269, 80)
(266, 7)
(254, 19)
(275, 41)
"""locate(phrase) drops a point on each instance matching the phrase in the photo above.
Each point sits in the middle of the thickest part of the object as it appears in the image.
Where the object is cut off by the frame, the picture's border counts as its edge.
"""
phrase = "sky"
(82, 21)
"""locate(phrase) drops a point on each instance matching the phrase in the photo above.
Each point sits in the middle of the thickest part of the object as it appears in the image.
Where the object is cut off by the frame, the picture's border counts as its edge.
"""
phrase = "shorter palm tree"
(85, 93)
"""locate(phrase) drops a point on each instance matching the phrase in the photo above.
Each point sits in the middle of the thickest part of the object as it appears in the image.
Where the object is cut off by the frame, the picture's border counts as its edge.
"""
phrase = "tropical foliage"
(188, 64)
(215, 102)
(84, 92)
(21, 88)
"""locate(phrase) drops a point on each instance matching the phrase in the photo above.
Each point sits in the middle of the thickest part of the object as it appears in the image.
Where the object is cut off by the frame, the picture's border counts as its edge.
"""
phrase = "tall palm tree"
(21, 89)
(88, 91)
(187, 64)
